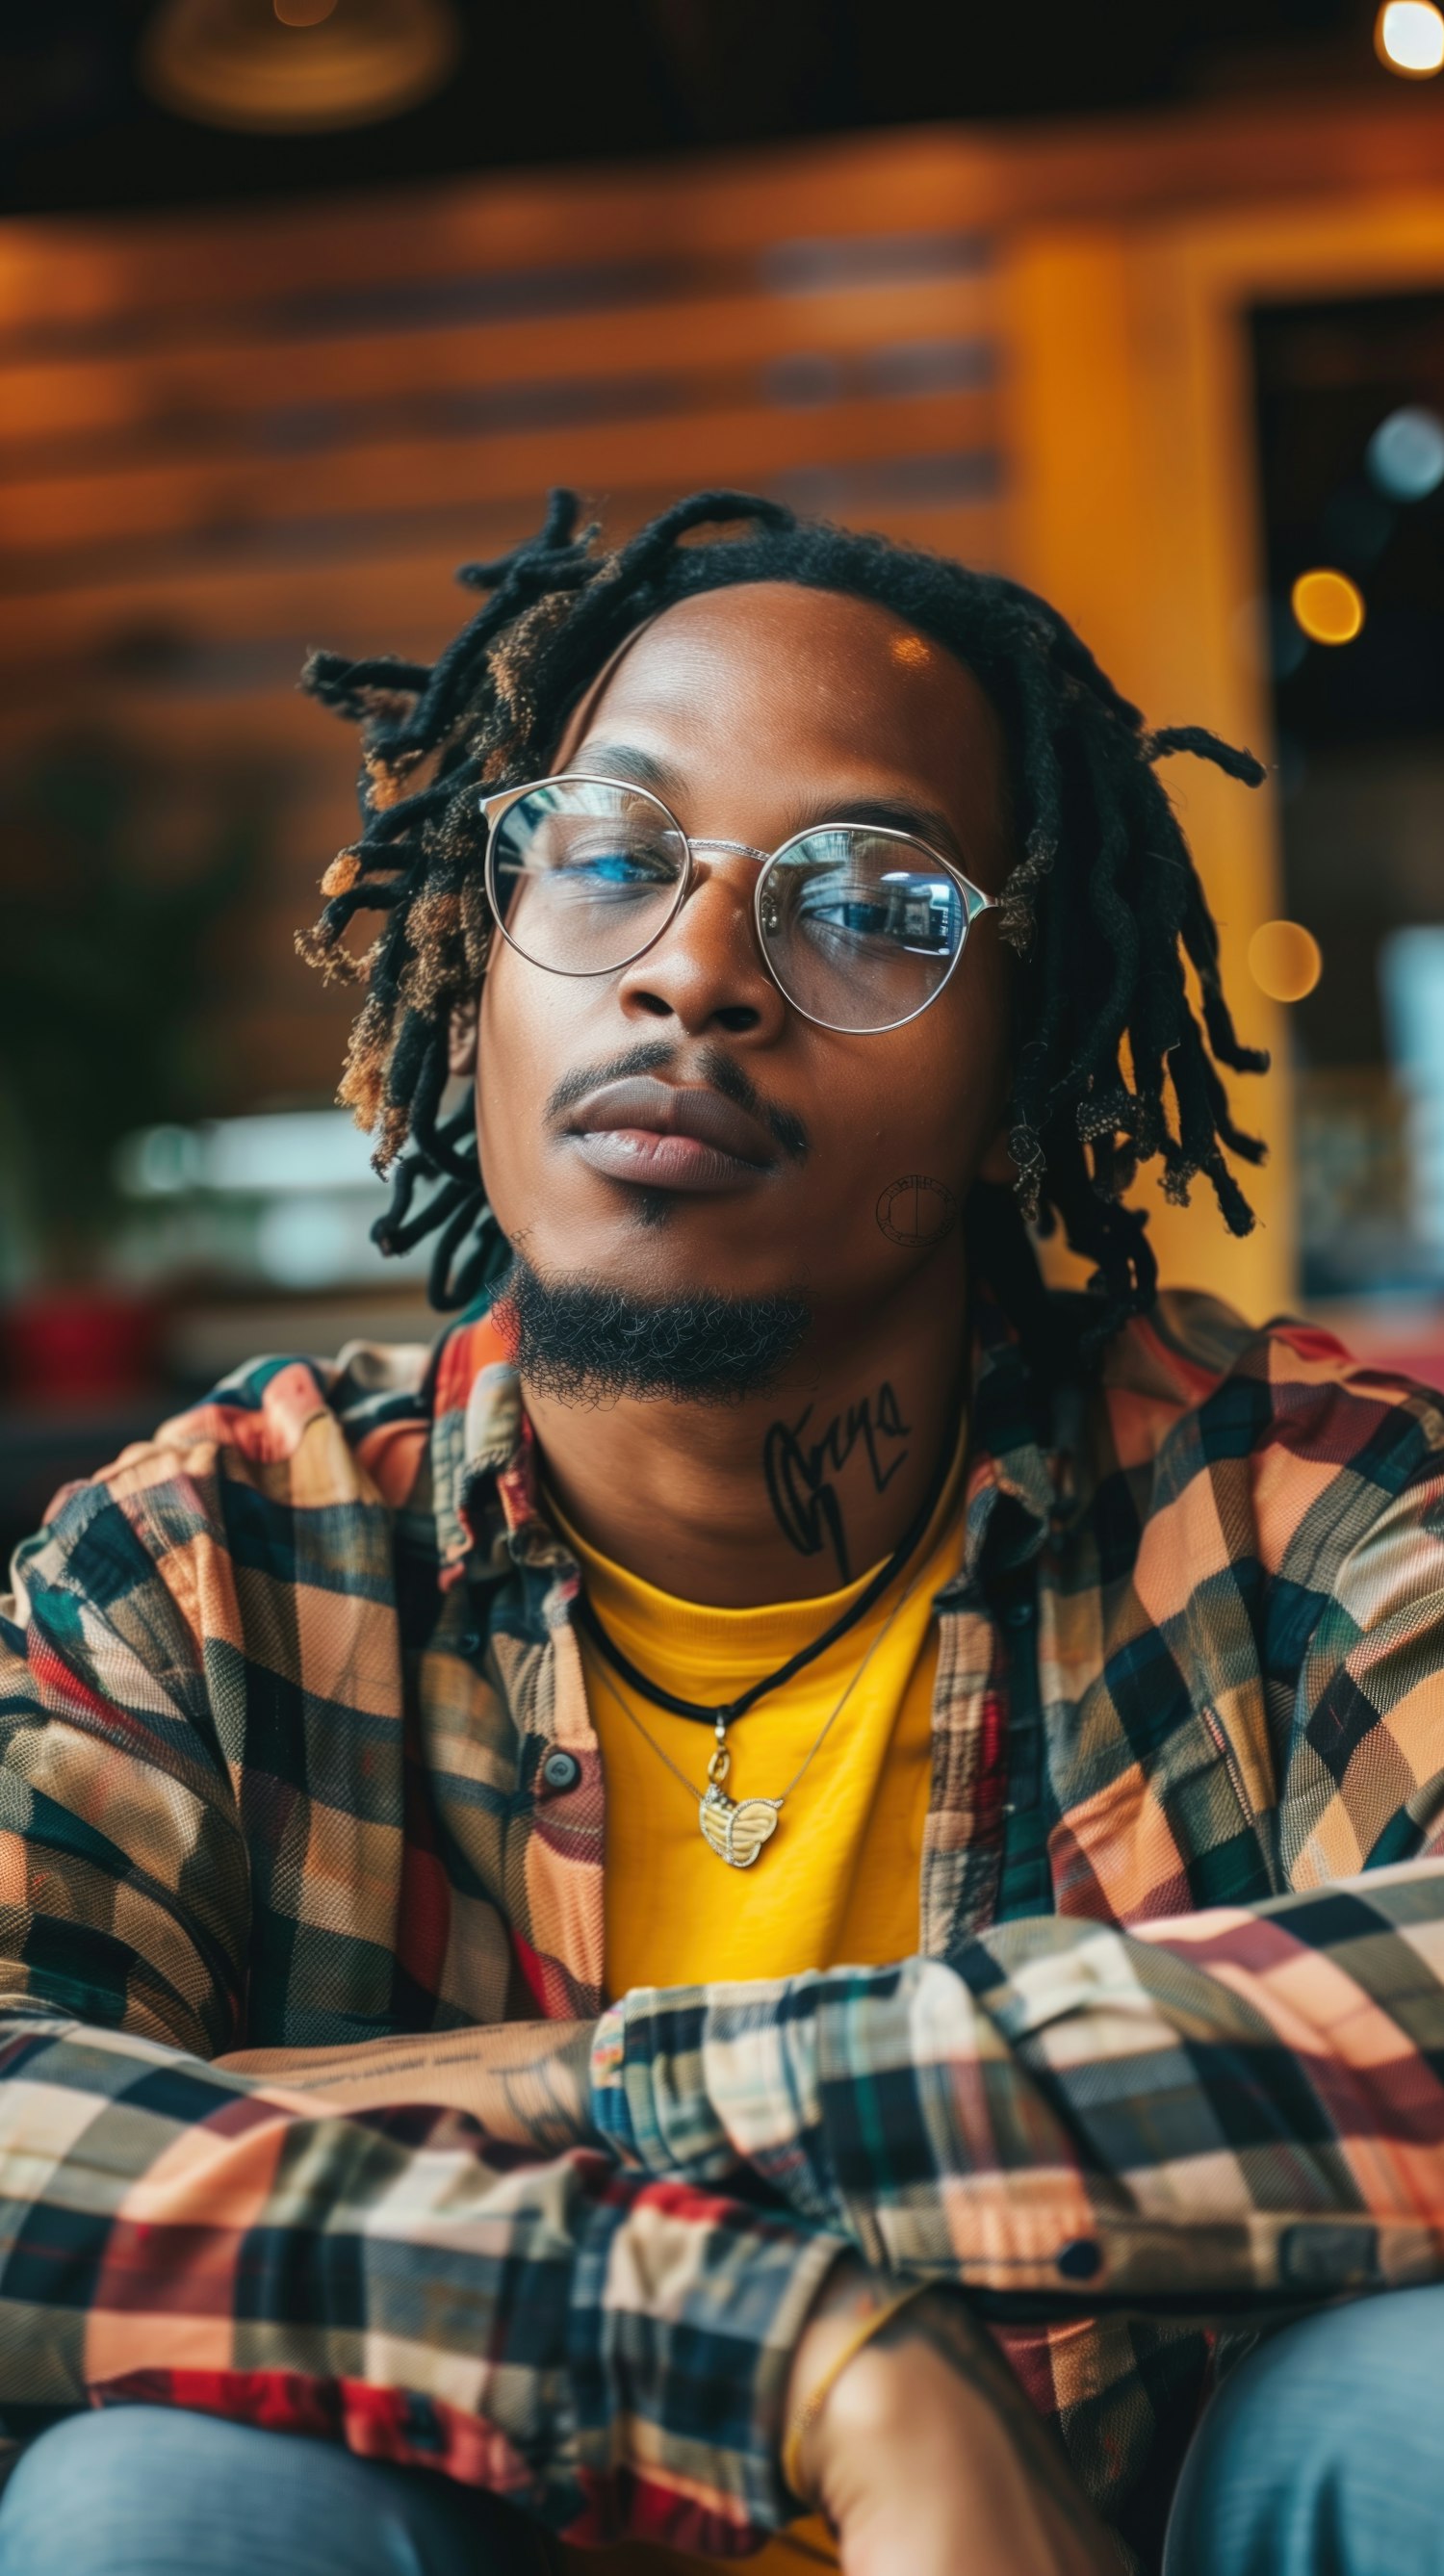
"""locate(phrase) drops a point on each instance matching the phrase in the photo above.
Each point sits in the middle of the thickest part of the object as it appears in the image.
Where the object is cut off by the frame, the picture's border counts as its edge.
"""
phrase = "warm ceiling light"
(1409, 37)
(1328, 606)
(1285, 960)
(291, 67)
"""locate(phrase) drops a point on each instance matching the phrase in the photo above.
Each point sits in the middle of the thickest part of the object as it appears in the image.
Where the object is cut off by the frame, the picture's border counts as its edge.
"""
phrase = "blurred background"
(304, 301)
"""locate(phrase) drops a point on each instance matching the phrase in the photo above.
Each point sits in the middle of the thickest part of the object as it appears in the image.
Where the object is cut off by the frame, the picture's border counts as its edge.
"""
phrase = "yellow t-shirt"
(837, 1884)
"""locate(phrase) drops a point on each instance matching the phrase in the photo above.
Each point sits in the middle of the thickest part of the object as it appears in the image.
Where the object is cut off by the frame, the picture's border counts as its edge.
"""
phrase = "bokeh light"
(1285, 960)
(1409, 37)
(1405, 456)
(1329, 607)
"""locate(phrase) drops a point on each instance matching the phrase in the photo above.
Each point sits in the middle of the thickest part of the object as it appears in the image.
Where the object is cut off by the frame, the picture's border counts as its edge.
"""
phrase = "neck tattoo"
(801, 1462)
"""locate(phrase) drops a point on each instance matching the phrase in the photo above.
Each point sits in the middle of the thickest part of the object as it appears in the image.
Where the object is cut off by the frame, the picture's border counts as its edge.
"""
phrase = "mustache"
(711, 1064)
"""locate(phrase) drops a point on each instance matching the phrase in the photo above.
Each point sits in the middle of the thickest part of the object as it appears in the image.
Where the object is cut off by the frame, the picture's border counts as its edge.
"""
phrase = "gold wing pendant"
(736, 1828)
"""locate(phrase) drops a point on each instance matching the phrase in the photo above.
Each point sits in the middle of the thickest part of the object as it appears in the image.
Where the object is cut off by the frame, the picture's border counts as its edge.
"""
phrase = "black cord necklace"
(730, 1710)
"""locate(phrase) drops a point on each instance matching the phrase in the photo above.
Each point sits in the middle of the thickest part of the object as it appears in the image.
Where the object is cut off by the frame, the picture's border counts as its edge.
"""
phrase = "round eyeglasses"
(860, 926)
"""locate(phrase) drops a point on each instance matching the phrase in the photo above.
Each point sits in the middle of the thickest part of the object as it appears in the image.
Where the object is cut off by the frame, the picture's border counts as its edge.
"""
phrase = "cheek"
(928, 1098)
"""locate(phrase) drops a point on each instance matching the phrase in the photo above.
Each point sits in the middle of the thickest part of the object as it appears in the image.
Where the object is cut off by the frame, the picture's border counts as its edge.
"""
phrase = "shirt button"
(1082, 2260)
(420, 2423)
(1018, 1614)
(469, 1641)
(561, 1771)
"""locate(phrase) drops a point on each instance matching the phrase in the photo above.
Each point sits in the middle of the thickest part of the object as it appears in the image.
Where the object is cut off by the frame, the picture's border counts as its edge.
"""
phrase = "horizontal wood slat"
(178, 390)
(745, 442)
(64, 276)
(138, 633)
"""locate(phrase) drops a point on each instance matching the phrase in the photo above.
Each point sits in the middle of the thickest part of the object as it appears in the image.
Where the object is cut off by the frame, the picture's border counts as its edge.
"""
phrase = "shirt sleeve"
(1236, 2107)
(1243, 2106)
(607, 2351)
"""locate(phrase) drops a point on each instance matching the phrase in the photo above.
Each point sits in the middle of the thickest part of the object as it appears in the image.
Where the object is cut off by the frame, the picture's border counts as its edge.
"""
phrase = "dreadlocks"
(1103, 904)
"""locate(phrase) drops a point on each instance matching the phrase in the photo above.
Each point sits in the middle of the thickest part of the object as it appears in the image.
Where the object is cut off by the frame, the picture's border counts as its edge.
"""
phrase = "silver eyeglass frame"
(975, 902)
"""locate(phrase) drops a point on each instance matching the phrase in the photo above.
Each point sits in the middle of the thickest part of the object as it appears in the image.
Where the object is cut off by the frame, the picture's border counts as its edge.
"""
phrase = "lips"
(664, 1135)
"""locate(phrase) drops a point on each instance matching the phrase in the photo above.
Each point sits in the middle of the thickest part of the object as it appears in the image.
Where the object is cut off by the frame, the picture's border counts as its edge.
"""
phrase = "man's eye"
(911, 914)
(857, 909)
(614, 867)
(855, 913)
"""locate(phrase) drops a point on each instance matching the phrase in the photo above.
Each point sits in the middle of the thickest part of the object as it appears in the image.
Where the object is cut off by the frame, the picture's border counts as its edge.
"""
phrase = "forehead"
(814, 678)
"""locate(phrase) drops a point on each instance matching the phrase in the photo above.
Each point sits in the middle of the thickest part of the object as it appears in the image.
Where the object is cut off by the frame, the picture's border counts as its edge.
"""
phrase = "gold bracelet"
(818, 2395)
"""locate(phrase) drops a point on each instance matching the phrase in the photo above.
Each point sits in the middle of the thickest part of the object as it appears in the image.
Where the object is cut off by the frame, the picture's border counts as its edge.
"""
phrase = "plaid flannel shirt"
(296, 1751)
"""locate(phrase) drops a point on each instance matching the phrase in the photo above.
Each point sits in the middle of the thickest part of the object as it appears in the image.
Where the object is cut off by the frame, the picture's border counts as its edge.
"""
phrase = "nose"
(706, 970)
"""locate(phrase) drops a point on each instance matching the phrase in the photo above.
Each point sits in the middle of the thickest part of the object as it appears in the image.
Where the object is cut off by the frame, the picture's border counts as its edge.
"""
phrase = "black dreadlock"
(1103, 905)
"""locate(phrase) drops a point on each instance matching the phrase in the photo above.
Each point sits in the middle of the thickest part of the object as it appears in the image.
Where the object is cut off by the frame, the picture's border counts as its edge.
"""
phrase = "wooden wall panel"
(231, 371)
(225, 438)
(228, 436)
(175, 502)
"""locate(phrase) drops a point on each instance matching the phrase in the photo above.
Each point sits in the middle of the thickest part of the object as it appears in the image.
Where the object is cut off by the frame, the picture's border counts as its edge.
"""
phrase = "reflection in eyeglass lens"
(856, 937)
(584, 875)
(860, 928)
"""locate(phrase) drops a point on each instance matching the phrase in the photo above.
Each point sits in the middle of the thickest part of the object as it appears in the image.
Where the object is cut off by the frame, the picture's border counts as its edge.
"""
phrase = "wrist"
(853, 2307)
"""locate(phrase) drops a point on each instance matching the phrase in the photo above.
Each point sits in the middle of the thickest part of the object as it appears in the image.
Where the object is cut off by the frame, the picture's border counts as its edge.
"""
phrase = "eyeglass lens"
(584, 875)
(861, 928)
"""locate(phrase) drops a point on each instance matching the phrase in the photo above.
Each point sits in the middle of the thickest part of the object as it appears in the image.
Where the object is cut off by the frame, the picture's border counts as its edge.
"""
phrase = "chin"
(585, 1335)
(663, 1244)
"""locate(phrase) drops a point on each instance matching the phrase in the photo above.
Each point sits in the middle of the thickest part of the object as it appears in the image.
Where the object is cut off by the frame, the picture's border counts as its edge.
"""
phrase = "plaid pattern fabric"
(296, 1751)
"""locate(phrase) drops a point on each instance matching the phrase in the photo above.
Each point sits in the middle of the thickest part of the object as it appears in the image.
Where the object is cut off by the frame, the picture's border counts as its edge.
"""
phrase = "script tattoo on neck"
(801, 1462)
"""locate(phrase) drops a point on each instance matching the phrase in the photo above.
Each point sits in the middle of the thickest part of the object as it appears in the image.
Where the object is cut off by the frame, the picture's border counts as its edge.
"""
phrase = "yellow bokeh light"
(1329, 607)
(1285, 960)
(1409, 37)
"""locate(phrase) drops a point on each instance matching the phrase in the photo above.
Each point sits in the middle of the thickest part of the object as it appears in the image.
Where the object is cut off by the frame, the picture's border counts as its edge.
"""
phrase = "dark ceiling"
(583, 80)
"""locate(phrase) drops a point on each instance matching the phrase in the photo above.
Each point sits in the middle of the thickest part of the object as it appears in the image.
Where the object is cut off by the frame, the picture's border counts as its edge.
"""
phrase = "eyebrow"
(635, 767)
(639, 768)
(894, 813)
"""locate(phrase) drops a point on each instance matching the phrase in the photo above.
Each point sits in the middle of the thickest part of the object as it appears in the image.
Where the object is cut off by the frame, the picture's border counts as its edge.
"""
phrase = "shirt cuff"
(649, 2100)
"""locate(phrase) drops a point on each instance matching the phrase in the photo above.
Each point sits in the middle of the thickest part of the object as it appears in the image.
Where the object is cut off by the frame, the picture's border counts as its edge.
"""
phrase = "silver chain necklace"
(736, 1828)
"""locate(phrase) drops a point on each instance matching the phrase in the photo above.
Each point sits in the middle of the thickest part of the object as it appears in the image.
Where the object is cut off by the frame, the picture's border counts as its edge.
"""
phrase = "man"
(1003, 1973)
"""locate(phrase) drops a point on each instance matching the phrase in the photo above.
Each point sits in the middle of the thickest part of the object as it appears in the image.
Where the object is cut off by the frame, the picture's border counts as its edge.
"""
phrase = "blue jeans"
(149, 2491)
(1322, 2456)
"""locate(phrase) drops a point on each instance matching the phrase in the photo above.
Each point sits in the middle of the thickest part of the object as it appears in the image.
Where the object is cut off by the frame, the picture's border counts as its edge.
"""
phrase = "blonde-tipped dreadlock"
(1103, 905)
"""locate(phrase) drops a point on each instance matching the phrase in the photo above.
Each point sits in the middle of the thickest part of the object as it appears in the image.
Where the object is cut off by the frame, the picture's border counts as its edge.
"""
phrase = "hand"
(927, 2456)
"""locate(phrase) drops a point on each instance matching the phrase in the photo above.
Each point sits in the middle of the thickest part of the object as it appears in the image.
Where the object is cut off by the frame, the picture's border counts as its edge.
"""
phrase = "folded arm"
(551, 2331)
(476, 2289)
(1235, 2105)
(1242, 2105)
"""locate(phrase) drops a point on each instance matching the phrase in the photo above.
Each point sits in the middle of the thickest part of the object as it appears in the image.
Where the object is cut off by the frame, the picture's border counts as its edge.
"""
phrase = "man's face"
(753, 712)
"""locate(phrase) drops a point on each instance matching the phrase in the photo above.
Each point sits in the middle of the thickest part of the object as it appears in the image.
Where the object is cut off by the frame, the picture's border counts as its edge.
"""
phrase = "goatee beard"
(582, 1342)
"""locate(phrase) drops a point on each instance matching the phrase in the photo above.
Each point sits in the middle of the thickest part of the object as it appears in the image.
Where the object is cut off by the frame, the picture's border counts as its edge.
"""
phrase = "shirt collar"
(484, 1465)
(483, 1455)
(1022, 1482)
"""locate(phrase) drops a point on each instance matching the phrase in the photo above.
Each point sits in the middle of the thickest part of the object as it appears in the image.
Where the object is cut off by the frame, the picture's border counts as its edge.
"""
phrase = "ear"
(461, 1030)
